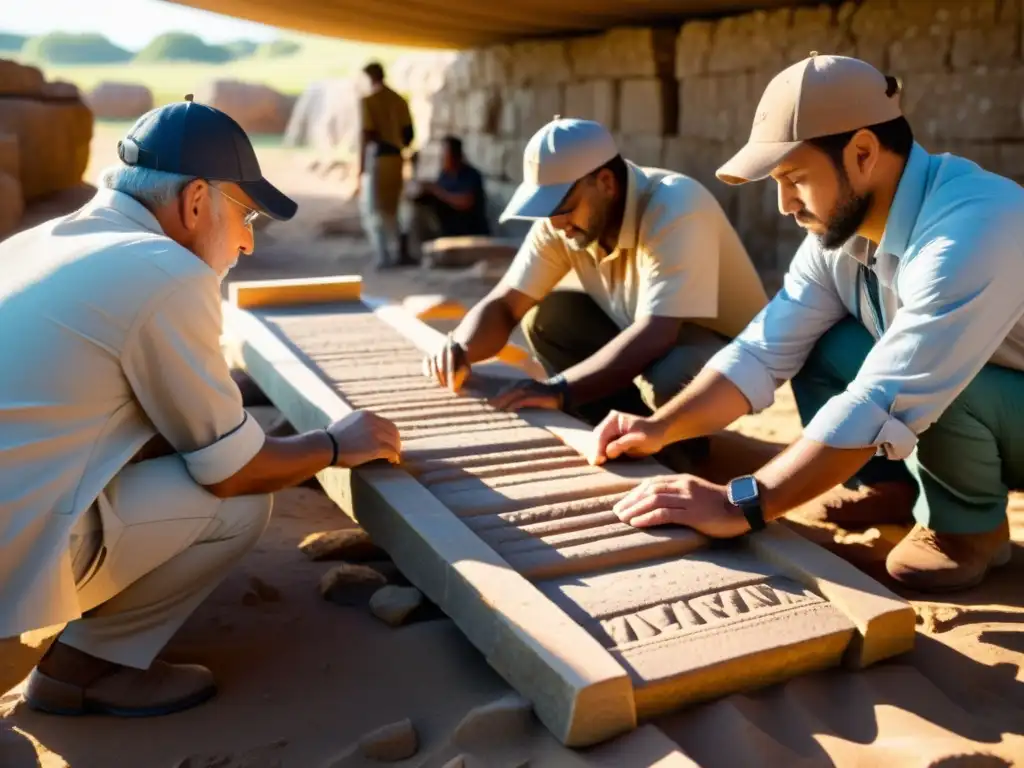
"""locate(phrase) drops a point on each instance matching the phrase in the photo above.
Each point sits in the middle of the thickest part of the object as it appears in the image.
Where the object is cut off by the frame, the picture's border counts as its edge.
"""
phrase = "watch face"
(743, 489)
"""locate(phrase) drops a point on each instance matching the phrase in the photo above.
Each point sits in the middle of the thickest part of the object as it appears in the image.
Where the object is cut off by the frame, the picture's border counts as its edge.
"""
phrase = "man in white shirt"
(666, 281)
(131, 477)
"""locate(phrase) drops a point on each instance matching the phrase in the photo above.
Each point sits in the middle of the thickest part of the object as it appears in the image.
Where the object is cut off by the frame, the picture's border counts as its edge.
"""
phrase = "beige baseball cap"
(819, 96)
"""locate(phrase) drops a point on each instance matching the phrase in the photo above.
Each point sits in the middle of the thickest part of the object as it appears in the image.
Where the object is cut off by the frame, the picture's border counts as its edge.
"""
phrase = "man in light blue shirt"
(899, 324)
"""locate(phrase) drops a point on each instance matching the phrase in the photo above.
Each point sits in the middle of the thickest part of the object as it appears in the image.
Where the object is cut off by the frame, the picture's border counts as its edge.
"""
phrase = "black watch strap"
(755, 516)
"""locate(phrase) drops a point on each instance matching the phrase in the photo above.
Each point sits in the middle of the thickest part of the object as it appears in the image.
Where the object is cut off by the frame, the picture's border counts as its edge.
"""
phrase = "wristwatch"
(745, 494)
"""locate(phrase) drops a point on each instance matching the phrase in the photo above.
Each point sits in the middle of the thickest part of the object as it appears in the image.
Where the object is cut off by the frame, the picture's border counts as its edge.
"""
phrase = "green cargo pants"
(567, 327)
(964, 465)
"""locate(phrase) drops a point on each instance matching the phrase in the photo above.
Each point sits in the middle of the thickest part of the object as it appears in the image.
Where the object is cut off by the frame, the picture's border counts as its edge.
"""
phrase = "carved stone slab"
(499, 520)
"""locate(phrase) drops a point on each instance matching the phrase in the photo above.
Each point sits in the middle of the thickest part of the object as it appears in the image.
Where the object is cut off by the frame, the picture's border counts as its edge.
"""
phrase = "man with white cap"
(666, 281)
(899, 323)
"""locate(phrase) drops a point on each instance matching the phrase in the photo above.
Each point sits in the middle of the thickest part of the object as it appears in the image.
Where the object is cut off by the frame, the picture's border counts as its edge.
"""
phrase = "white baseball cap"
(556, 157)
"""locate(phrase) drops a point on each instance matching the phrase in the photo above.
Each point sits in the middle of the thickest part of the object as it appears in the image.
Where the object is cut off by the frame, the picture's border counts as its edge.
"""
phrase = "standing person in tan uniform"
(666, 282)
(132, 479)
(386, 129)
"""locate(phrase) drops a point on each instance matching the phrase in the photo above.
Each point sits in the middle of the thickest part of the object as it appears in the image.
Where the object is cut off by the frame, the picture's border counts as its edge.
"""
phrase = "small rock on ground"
(348, 584)
(351, 544)
(392, 605)
(390, 743)
(510, 716)
(260, 592)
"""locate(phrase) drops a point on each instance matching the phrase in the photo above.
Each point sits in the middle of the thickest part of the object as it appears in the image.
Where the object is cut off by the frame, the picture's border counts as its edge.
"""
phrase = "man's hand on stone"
(449, 366)
(682, 500)
(527, 393)
(622, 434)
(364, 436)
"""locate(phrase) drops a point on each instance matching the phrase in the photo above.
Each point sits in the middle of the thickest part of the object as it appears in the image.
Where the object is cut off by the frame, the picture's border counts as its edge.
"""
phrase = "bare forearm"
(485, 329)
(281, 463)
(710, 403)
(804, 471)
(618, 362)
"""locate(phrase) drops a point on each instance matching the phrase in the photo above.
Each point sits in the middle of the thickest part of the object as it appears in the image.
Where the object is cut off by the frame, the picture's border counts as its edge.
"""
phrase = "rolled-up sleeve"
(539, 264)
(776, 343)
(178, 373)
(961, 294)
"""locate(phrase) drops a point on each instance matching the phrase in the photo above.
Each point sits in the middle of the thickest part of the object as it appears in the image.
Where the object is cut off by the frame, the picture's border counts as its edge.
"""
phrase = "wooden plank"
(250, 294)
(578, 690)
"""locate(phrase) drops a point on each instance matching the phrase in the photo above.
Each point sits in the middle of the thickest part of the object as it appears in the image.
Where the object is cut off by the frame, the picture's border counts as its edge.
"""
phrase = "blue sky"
(128, 23)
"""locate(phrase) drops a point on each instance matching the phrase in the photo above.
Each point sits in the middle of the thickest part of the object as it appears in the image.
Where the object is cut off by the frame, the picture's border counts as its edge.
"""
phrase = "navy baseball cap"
(198, 140)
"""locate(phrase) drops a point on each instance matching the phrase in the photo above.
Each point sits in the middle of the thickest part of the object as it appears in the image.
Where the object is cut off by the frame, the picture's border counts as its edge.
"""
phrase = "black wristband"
(561, 386)
(336, 447)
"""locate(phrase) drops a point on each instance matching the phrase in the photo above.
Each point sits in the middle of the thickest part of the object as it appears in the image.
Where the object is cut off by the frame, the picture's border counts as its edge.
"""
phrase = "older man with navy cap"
(666, 281)
(131, 477)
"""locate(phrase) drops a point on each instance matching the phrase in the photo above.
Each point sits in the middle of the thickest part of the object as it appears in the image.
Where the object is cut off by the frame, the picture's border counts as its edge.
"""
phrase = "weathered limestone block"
(16, 79)
(815, 29)
(1011, 161)
(693, 47)
(442, 112)
(990, 47)
(593, 100)
(489, 155)
(459, 75)
(710, 107)
(420, 73)
(537, 107)
(514, 150)
(648, 106)
(700, 159)
(642, 149)
(255, 107)
(749, 41)
(496, 66)
(953, 13)
(483, 111)
(756, 218)
(921, 48)
(120, 101)
(508, 112)
(460, 113)
(979, 105)
(541, 62)
(10, 161)
(12, 204)
(326, 118)
(53, 142)
(624, 52)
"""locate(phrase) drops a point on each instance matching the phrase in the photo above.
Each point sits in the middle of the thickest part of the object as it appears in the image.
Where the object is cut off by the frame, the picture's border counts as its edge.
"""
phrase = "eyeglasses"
(251, 213)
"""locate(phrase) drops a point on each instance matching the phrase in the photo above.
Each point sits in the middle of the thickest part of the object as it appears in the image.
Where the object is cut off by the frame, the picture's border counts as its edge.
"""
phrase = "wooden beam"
(252, 294)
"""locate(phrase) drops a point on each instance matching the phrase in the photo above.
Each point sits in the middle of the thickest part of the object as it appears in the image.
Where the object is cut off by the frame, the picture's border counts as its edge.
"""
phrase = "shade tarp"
(468, 23)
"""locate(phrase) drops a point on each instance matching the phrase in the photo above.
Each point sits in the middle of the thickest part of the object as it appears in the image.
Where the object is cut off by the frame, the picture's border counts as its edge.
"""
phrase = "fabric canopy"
(468, 23)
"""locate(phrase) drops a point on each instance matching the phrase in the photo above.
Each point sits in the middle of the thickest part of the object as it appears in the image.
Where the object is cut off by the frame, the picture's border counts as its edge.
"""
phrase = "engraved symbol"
(760, 117)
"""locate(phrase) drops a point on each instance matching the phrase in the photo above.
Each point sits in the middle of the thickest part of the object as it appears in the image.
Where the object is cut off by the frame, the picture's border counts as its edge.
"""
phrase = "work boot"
(885, 503)
(929, 561)
(124, 692)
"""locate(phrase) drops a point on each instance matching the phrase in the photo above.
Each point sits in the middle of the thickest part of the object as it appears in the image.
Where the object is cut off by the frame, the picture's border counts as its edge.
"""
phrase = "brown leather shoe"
(889, 503)
(126, 692)
(929, 561)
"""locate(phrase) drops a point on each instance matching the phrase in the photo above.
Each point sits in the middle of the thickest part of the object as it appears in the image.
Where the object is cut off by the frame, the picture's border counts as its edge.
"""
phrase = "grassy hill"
(67, 48)
(11, 43)
(181, 46)
(312, 58)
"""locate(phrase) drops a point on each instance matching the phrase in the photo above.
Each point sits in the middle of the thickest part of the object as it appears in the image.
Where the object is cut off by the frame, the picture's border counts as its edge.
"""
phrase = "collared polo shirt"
(950, 276)
(110, 335)
(677, 256)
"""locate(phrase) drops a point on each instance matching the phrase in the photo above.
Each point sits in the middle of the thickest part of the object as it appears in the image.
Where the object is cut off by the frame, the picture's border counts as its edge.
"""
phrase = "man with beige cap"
(899, 324)
(665, 281)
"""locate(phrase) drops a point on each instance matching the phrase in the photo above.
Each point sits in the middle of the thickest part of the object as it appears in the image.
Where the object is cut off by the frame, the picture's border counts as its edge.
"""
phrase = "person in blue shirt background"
(900, 325)
(455, 204)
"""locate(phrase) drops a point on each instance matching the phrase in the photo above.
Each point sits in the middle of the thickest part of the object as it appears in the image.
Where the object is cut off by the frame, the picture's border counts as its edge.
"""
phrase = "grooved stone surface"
(655, 610)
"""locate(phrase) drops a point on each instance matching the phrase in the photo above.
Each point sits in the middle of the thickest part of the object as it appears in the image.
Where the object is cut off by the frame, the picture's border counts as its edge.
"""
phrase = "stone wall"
(683, 97)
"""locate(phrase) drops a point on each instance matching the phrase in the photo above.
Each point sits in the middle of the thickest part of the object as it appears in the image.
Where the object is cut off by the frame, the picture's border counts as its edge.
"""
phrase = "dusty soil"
(303, 679)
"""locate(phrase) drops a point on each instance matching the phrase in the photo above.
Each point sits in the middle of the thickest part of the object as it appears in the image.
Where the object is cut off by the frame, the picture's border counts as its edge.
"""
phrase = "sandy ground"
(301, 679)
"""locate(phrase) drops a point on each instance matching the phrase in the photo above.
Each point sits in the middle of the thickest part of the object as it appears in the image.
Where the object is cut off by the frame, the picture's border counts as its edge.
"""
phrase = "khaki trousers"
(148, 552)
(381, 195)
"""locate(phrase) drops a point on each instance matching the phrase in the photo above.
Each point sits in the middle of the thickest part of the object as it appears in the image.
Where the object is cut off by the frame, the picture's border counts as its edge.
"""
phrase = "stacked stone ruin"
(45, 130)
(684, 97)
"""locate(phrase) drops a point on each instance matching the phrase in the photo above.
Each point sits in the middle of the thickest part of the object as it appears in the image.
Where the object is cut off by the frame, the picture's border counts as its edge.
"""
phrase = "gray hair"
(154, 189)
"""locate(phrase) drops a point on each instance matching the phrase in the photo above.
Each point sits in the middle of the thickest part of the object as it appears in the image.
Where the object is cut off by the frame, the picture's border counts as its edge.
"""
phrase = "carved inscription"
(703, 610)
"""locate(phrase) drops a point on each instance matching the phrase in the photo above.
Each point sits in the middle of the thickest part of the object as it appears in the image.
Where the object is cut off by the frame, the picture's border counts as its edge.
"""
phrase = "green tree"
(67, 48)
(180, 46)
